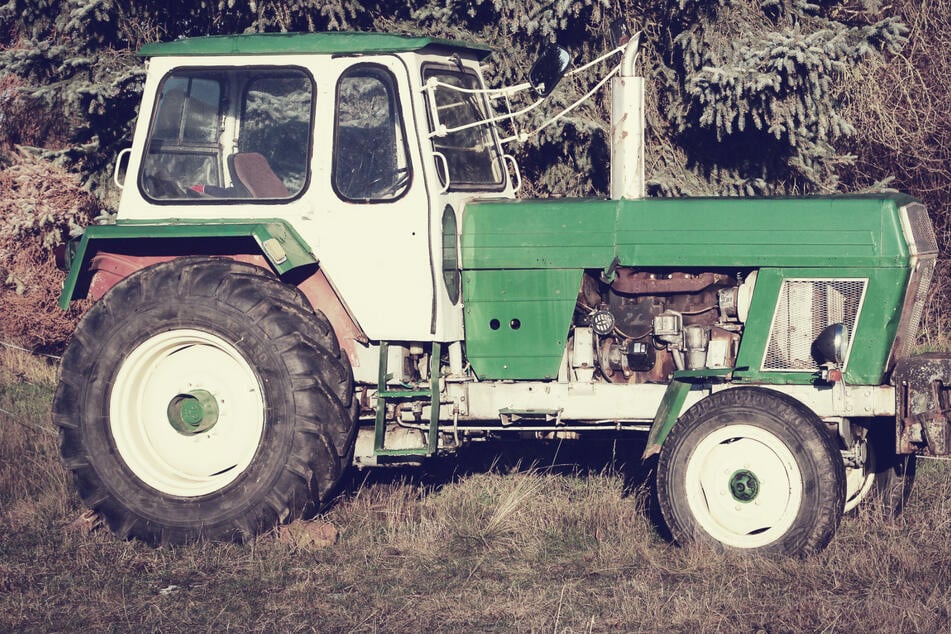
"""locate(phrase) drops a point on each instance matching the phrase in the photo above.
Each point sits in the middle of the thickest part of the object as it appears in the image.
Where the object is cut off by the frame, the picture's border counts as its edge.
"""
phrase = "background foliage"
(746, 97)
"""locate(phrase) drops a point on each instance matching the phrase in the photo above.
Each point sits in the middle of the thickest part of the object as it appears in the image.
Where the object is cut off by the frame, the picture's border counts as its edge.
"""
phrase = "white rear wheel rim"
(163, 368)
(744, 486)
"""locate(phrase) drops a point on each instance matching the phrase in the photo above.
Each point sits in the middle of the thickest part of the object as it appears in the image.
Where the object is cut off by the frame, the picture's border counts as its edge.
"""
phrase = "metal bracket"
(923, 404)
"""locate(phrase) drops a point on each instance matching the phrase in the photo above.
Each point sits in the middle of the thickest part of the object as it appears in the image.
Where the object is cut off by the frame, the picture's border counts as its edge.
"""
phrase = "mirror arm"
(441, 130)
(524, 135)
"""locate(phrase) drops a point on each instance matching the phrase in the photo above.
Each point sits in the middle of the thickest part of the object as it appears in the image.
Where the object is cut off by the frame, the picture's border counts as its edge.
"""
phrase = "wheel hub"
(744, 485)
(193, 413)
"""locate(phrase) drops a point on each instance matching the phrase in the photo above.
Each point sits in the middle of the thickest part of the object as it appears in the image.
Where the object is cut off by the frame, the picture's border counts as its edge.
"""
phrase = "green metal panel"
(685, 232)
(331, 43)
(517, 321)
(723, 232)
(289, 252)
(538, 234)
(874, 332)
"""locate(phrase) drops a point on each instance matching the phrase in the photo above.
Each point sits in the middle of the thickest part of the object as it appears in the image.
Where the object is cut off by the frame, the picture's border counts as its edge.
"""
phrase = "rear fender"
(106, 254)
(150, 242)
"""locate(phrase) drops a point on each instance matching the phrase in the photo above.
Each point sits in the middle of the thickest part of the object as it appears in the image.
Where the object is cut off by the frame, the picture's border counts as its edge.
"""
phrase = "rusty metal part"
(923, 404)
(322, 296)
(109, 268)
(634, 282)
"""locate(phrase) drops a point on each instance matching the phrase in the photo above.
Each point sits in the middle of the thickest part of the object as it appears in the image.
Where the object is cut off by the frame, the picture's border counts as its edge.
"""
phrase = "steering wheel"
(398, 178)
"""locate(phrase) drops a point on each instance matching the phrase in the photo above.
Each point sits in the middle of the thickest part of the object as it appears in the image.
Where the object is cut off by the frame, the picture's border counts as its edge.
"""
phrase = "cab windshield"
(470, 155)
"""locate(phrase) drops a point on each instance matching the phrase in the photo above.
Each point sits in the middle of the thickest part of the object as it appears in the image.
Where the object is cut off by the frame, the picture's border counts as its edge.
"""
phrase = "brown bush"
(899, 105)
(40, 205)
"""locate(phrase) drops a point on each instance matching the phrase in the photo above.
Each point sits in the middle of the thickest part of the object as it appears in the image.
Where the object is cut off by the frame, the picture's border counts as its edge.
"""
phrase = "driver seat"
(252, 171)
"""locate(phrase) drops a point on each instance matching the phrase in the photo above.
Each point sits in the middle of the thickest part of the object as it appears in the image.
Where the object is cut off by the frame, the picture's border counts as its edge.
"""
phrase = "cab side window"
(183, 146)
(274, 123)
(370, 157)
(220, 135)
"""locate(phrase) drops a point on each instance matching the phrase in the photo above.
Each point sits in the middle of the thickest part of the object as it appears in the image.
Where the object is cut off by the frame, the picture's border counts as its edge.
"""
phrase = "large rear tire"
(202, 399)
(751, 469)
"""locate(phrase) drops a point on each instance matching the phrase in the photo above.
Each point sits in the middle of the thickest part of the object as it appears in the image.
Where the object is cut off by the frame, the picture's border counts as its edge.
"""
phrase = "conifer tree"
(745, 94)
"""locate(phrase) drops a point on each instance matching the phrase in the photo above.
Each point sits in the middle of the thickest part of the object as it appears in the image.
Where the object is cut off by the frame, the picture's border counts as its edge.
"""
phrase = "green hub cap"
(744, 486)
(193, 413)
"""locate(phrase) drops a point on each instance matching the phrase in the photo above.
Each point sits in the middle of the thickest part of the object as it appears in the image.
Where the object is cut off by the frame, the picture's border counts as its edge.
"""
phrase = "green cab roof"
(329, 43)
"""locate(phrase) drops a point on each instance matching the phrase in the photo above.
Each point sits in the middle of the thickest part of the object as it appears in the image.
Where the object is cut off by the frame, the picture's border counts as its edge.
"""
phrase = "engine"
(641, 325)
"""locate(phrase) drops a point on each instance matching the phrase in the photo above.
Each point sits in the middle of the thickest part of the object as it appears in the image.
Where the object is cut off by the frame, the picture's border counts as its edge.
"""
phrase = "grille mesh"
(919, 234)
(804, 309)
(922, 232)
(908, 328)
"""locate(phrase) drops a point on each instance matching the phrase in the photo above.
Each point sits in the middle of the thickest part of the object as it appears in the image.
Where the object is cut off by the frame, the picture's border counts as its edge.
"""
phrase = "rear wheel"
(750, 468)
(202, 399)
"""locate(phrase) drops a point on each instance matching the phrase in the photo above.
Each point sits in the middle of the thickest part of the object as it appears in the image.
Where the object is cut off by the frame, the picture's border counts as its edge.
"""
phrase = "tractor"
(319, 262)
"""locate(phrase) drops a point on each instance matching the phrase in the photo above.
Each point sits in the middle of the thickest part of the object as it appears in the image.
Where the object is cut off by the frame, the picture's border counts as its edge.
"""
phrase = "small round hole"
(515, 324)
(494, 324)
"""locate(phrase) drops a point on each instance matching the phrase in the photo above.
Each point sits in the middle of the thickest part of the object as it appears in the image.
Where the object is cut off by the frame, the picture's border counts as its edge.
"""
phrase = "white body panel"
(384, 259)
(639, 403)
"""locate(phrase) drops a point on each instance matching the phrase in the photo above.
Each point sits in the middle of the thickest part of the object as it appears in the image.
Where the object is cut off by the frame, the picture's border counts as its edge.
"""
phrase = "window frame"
(464, 186)
(397, 112)
(225, 109)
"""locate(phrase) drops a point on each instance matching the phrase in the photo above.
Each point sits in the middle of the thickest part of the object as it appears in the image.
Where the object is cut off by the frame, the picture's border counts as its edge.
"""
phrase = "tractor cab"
(368, 145)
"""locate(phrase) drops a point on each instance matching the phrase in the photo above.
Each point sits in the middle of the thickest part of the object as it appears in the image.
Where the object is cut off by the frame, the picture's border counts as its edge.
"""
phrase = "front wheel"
(202, 399)
(876, 474)
(751, 469)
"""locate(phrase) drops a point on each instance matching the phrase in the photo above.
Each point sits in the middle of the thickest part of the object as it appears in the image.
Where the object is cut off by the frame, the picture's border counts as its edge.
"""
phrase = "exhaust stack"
(627, 128)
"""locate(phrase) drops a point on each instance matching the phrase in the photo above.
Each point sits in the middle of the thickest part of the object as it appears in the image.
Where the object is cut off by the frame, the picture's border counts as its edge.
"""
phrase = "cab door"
(372, 221)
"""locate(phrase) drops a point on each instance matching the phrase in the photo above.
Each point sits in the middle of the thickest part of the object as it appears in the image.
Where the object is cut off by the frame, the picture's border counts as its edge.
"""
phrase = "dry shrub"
(40, 206)
(899, 105)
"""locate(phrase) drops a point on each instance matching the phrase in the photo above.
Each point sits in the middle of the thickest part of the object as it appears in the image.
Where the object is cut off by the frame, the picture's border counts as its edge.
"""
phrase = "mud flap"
(673, 401)
(923, 404)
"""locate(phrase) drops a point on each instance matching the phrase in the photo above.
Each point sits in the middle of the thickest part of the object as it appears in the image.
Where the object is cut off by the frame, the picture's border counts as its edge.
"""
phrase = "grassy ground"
(509, 550)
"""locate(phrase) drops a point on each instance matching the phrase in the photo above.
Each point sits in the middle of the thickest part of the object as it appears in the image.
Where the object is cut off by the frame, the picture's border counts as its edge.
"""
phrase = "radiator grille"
(804, 309)
(917, 223)
(923, 248)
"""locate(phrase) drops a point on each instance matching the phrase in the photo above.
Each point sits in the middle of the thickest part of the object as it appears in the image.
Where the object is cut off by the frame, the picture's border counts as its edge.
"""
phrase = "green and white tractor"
(319, 261)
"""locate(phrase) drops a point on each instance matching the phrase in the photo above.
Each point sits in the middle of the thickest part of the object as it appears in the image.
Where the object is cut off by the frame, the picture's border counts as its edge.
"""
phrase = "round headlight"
(832, 344)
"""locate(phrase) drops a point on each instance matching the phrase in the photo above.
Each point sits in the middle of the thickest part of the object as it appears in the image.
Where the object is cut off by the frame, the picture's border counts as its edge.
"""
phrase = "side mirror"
(548, 69)
(619, 33)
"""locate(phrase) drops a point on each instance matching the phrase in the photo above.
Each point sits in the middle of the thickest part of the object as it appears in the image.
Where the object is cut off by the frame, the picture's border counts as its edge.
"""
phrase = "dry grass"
(515, 548)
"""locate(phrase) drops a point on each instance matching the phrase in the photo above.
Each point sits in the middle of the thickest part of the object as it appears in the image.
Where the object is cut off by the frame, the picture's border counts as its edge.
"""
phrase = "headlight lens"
(832, 344)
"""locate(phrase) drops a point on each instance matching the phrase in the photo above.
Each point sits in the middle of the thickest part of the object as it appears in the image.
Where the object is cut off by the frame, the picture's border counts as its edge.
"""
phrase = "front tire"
(751, 469)
(202, 399)
(885, 478)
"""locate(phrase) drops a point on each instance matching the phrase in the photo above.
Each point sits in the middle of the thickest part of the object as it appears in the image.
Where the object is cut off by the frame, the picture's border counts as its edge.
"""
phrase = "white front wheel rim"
(744, 486)
(223, 404)
(859, 479)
